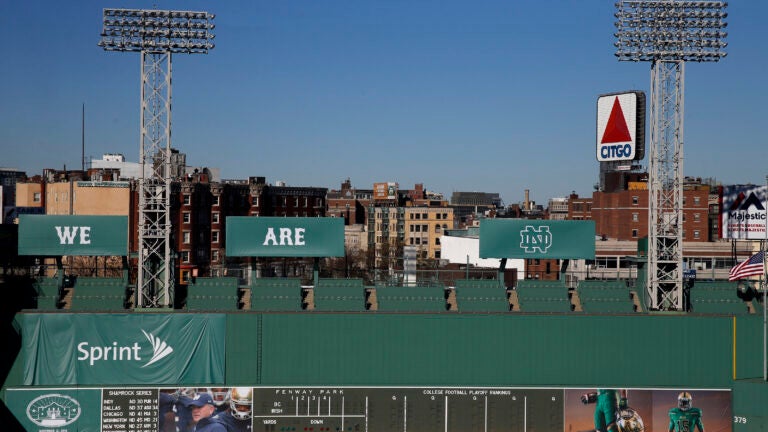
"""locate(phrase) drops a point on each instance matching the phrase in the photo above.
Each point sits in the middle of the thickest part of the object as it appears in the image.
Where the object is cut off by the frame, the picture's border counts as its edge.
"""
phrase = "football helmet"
(241, 403)
(186, 392)
(684, 401)
(220, 395)
(630, 421)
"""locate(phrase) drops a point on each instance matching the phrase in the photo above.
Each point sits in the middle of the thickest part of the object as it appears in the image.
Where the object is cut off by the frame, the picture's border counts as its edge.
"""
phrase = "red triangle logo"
(616, 130)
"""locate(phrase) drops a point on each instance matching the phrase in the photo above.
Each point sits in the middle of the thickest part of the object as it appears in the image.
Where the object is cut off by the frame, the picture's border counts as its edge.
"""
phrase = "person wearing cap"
(203, 408)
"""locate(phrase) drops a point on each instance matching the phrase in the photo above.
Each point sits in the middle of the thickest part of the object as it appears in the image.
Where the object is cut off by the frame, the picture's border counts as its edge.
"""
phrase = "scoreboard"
(415, 409)
(349, 408)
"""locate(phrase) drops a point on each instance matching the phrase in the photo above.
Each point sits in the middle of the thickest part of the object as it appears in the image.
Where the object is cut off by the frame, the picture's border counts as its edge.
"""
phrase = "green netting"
(97, 303)
(275, 294)
(98, 286)
(47, 287)
(47, 302)
(545, 305)
(200, 303)
(528, 292)
(719, 306)
(482, 299)
(608, 305)
(411, 299)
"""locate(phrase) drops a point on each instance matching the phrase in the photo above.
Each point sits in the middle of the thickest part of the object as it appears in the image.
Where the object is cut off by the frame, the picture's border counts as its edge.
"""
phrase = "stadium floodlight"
(161, 31)
(156, 34)
(668, 33)
(670, 30)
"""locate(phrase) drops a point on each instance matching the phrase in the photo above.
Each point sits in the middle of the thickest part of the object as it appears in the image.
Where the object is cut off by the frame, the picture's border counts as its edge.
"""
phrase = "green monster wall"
(504, 350)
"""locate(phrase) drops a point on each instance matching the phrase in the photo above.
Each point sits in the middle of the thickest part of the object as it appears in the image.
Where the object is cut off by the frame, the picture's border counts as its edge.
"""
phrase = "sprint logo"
(132, 353)
(535, 239)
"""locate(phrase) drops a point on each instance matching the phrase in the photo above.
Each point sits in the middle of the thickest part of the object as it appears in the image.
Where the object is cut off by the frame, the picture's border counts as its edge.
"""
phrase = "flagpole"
(764, 281)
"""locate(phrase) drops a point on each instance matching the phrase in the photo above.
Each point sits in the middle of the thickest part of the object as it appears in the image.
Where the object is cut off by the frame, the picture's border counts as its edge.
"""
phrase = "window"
(437, 228)
(418, 228)
(635, 200)
(635, 217)
(418, 240)
(411, 240)
(437, 241)
(36, 197)
(418, 215)
(216, 200)
(214, 237)
(187, 199)
(186, 217)
(185, 237)
(696, 200)
(634, 233)
(215, 217)
(424, 216)
(184, 276)
(412, 226)
(185, 256)
(696, 234)
(215, 256)
(696, 217)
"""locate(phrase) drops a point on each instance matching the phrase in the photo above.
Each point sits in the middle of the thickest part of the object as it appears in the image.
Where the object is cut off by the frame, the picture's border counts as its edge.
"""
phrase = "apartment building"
(423, 228)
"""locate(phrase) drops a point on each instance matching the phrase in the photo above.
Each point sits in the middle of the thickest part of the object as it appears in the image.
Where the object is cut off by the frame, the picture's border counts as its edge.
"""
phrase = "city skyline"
(492, 97)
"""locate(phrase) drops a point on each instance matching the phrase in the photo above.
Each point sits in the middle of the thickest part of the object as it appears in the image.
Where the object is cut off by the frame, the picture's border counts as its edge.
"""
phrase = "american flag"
(751, 267)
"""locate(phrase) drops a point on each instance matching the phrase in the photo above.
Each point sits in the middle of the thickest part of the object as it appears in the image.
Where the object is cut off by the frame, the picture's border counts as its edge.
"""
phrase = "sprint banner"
(523, 238)
(88, 349)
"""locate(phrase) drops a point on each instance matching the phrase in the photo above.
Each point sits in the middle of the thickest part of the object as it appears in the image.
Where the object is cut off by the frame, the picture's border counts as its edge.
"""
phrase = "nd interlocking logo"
(535, 239)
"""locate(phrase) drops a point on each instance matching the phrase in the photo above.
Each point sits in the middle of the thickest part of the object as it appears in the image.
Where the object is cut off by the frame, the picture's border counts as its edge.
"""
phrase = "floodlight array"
(650, 30)
(157, 31)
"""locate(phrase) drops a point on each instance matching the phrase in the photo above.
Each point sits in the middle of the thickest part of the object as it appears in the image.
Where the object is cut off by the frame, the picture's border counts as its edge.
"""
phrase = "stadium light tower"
(156, 34)
(668, 33)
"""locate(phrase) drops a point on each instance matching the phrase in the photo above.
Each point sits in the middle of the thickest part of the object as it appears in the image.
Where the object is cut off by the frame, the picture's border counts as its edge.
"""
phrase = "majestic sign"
(743, 212)
(47, 235)
(385, 191)
(85, 349)
(621, 126)
(285, 237)
(520, 238)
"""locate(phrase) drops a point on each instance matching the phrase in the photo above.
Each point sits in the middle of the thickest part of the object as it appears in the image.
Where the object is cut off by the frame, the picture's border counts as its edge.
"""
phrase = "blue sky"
(494, 96)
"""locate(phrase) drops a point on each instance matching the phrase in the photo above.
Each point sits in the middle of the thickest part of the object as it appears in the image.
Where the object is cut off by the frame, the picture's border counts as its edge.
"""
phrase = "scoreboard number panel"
(414, 409)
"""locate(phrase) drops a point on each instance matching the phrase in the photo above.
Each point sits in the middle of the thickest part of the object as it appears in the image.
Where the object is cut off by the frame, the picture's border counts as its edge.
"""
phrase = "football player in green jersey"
(684, 417)
(609, 402)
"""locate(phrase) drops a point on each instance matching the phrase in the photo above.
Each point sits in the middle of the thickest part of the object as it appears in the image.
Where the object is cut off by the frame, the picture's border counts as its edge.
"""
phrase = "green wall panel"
(749, 347)
(750, 406)
(503, 349)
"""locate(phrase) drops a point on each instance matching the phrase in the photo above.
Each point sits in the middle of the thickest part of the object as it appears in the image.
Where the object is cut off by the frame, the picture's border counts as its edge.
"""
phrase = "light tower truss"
(668, 33)
(156, 35)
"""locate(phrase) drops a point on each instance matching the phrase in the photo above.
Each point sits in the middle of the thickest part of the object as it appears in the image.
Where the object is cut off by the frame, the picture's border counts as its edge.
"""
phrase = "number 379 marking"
(739, 419)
